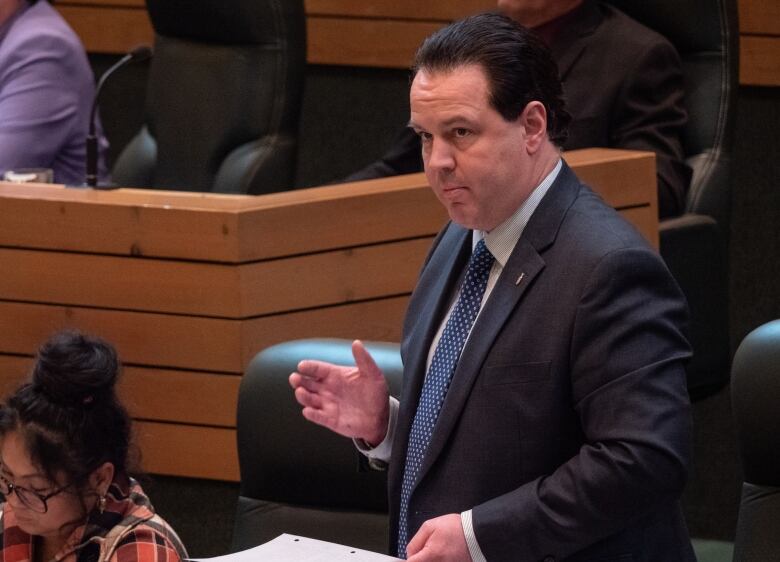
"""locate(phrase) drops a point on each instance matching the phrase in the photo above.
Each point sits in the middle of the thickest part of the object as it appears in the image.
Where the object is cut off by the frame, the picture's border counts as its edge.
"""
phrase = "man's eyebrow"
(458, 119)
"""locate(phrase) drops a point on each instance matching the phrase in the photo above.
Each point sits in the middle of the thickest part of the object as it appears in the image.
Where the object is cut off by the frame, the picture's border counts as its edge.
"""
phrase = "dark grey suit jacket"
(567, 426)
(623, 85)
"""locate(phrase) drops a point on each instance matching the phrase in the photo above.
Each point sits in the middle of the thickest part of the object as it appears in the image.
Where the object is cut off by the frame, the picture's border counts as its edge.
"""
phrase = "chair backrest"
(706, 35)
(755, 396)
(297, 477)
(223, 97)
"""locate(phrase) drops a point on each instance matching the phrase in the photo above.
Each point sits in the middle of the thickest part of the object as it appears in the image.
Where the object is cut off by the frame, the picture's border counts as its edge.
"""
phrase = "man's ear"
(534, 120)
(101, 478)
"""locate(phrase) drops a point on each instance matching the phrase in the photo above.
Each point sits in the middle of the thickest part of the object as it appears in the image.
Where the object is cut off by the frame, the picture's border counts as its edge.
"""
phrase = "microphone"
(138, 54)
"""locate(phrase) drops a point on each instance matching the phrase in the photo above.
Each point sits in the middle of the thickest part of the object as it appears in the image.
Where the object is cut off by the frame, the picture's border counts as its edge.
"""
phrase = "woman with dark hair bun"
(64, 440)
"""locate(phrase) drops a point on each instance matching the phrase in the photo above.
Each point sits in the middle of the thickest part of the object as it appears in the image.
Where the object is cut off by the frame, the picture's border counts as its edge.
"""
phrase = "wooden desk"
(189, 286)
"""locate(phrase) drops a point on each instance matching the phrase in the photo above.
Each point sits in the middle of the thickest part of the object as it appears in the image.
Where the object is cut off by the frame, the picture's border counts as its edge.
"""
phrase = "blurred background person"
(46, 92)
(64, 439)
(623, 86)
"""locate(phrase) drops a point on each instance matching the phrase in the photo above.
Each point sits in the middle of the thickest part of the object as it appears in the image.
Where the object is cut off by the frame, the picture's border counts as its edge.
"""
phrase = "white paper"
(291, 548)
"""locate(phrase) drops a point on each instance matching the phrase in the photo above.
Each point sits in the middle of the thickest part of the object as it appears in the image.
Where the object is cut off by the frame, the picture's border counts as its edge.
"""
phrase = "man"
(623, 85)
(46, 92)
(556, 425)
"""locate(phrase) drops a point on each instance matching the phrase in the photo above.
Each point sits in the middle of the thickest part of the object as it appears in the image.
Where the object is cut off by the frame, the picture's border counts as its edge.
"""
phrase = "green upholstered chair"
(695, 245)
(755, 397)
(297, 477)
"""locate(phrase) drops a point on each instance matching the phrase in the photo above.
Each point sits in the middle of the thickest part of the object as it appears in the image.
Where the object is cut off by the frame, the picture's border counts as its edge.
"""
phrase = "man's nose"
(440, 156)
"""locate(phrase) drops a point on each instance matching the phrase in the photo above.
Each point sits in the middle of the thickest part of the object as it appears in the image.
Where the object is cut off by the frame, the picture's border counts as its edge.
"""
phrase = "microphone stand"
(137, 54)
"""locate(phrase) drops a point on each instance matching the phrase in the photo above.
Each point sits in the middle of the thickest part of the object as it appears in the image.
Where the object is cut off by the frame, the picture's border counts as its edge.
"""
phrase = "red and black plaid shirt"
(128, 530)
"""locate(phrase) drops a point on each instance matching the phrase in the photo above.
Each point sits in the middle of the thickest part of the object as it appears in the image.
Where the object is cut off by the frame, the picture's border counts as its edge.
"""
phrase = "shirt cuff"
(471, 538)
(379, 456)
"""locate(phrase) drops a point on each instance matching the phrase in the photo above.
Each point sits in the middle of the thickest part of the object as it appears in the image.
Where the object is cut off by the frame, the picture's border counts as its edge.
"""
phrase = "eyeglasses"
(29, 498)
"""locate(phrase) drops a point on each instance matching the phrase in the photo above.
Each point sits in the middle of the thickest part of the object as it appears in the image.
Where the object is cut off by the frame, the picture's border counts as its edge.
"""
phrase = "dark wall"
(350, 115)
(755, 232)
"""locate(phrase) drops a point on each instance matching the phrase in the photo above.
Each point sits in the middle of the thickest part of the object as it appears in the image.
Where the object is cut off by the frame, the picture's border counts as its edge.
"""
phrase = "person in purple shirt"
(46, 92)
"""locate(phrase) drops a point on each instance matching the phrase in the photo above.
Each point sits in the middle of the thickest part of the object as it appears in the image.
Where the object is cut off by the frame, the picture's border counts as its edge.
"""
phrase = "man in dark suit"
(623, 86)
(544, 412)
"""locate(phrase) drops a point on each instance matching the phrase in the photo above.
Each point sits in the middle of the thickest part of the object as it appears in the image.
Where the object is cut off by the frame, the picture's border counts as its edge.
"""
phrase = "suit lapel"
(434, 290)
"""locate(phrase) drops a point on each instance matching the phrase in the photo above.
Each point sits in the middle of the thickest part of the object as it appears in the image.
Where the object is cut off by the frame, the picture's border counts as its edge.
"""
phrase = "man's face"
(475, 161)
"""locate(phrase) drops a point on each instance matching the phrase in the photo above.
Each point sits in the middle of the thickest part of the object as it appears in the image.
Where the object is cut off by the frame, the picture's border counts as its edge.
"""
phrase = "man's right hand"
(352, 401)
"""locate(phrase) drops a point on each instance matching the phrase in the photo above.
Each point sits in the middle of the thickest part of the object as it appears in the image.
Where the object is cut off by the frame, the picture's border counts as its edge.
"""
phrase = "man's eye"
(425, 137)
(460, 132)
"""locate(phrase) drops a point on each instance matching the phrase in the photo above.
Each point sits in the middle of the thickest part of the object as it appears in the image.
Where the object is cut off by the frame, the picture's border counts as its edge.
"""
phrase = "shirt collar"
(503, 239)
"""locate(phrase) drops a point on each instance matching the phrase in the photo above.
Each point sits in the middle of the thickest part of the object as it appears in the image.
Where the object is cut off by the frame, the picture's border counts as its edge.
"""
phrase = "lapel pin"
(520, 278)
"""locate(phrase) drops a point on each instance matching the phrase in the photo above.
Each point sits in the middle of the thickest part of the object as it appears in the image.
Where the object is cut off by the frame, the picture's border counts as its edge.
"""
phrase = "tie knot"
(481, 259)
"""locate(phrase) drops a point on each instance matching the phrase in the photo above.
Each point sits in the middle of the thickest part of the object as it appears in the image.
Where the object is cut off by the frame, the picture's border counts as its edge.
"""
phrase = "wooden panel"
(332, 277)
(611, 171)
(211, 289)
(378, 320)
(109, 30)
(341, 216)
(356, 42)
(159, 340)
(759, 61)
(13, 371)
(233, 229)
(120, 283)
(217, 227)
(196, 343)
(186, 397)
(197, 452)
(122, 222)
(759, 17)
(446, 10)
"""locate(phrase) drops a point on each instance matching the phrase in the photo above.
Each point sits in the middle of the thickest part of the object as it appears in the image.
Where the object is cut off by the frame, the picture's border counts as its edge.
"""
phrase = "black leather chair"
(755, 397)
(223, 97)
(297, 477)
(695, 245)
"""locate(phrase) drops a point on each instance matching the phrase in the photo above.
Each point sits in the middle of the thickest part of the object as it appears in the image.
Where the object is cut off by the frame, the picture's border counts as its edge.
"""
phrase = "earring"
(102, 504)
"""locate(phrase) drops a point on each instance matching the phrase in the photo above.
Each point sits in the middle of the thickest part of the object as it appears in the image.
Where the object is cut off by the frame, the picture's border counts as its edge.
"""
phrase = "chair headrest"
(218, 21)
(691, 26)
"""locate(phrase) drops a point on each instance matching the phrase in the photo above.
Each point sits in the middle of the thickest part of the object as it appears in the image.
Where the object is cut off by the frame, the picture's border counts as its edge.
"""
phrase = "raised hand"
(352, 401)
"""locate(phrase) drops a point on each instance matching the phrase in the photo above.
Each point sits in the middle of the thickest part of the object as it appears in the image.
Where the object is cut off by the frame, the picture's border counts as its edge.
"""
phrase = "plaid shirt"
(128, 530)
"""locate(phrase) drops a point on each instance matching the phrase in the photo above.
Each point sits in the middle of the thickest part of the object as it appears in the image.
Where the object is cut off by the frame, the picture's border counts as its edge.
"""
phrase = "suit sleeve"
(651, 116)
(38, 108)
(628, 390)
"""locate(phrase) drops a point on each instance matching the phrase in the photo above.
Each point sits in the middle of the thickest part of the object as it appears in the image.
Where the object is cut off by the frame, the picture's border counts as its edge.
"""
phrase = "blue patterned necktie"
(437, 381)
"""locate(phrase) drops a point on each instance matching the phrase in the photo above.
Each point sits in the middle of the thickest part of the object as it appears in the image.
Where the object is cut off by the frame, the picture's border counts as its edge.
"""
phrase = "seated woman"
(64, 439)
(46, 92)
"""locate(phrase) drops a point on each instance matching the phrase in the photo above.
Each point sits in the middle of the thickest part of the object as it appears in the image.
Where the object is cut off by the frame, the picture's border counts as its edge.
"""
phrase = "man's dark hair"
(518, 65)
(69, 415)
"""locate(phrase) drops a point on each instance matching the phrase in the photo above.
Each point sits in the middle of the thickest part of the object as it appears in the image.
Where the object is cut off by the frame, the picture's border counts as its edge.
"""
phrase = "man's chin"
(461, 218)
